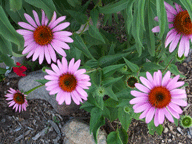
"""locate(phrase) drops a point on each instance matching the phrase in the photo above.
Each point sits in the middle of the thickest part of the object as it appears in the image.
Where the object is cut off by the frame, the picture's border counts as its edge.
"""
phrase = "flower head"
(158, 97)
(180, 27)
(18, 100)
(131, 80)
(43, 39)
(186, 121)
(67, 81)
(19, 70)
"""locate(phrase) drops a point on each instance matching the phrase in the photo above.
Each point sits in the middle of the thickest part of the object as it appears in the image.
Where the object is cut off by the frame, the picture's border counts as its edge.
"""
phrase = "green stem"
(27, 92)
(92, 70)
(167, 65)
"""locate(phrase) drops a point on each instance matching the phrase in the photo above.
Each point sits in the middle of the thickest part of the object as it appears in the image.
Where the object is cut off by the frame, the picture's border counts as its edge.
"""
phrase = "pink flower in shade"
(43, 39)
(180, 27)
(66, 81)
(18, 100)
(158, 97)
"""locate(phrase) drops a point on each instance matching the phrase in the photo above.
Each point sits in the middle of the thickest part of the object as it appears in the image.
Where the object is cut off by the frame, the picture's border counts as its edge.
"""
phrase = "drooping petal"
(181, 47)
(150, 115)
(156, 29)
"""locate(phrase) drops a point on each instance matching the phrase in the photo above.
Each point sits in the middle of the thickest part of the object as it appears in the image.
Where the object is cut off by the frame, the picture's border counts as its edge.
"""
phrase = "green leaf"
(124, 118)
(74, 3)
(5, 46)
(109, 70)
(42, 81)
(95, 117)
(94, 16)
(129, 16)
(2, 70)
(173, 69)
(152, 128)
(94, 32)
(110, 93)
(151, 66)
(161, 13)
(124, 94)
(132, 66)
(188, 5)
(96, 77)
(7, 60)
(176, 121)
(78, 16)
(123, 135)
(47, 5)
(115, 7)
(141, 11)
(113, 138)
(92, 63)
(109, 81)
(100, 123)
(15, 5)
(8, 32)
(110, 103)
(114, 113)
(87, 106)
(100, 102)
(79, 43)
(150, 38)
(110, 59)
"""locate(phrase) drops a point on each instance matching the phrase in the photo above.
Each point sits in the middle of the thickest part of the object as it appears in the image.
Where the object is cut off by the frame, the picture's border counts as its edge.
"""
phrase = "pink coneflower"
(18, 100)
(43, 39)
(159, 97)
(181, 27)
(66, 81)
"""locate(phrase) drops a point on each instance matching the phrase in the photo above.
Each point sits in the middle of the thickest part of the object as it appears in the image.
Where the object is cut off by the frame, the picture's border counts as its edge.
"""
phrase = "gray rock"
(19, 59)
(3, 65)
(28, 82)
(77, 132)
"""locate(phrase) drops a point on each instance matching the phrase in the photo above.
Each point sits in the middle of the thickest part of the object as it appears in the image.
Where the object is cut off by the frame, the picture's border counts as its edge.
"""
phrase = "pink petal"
(179, 102)
(156, 18)
(178, 7)
(156, 29)
(56, 69)
(173, 112)
(161, 116)
(174, 43)
(36, 17)
(52, 83)
(61, 97)
(58, 49)
(172, 82)
(60, 44)
(142, 108)
(170, 38)
(71, 63)
(150, 115)
(79, 72)
(41, 56)
(166, 78)
(53, 18)
(138, 94)
(26, 26)
(24, 32)
(81, 91)
(177, 91)
(28, 48)
(179, 96)
(43, 18)
(187, 46)
(142, 88)
(68, 98)
(61, 26)
(76, 66)
(54, 91)
(168, 115)
(150, 78)
(52, 53)
(63, 38)
(176, 85)
(138, 100)
(170, 8)
(146, 82)
(175, 107)
(60, 19)
(47, 55)
(181, 47)
(62, 33)
(65, 64)
(30, 20)
(156, 121)
(144, 113)
(48, 77)
(36, 53)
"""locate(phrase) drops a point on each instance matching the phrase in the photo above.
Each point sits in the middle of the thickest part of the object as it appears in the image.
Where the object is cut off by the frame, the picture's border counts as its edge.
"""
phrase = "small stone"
(169, 134)
(165, 130)
(8, 83)
(163, 141)
(171, 128)
(169, 140)
(179, 130)
(3, 120)
(178, 135)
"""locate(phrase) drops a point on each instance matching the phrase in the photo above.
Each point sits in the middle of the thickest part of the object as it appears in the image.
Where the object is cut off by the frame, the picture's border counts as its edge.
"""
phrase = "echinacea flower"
(18, 100)
(19, 70)
(67, 81)
(180, 29)
(43, 39)
(159, 97)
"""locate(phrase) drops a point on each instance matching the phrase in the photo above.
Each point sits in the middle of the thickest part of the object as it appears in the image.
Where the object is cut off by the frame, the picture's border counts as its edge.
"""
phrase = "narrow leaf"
(132, 66)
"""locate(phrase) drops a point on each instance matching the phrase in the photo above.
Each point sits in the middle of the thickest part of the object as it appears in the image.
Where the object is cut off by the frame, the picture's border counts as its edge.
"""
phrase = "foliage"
(101, 54)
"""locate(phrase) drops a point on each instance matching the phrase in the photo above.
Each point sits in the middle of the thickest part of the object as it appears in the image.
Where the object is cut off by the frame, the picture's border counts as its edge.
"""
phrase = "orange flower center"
(19, 98)
(182, 23)
(43, 35)
(67, 82)
(159, 97)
